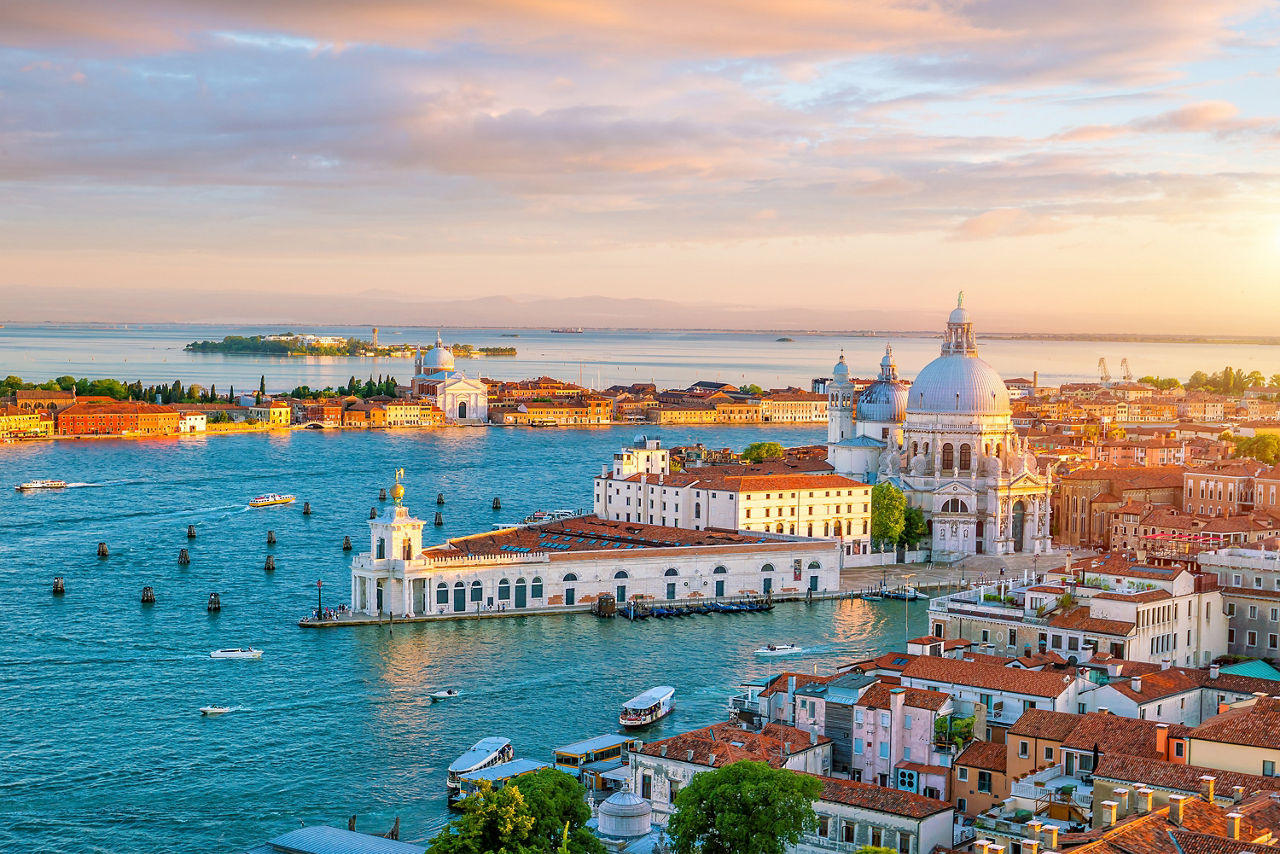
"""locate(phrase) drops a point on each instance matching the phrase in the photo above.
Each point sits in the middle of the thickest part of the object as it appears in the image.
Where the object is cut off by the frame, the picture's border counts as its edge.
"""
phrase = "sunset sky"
(1071, 166)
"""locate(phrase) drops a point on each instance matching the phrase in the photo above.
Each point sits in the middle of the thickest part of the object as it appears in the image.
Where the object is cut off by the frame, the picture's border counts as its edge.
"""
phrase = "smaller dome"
(841, 371)
(624, 814)
(959, 314)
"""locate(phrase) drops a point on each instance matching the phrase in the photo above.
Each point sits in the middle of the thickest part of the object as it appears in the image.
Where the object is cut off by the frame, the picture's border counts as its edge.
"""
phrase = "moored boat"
(780, 649)
(496, 776)
(485, 753)
(652, 705)
(237, 652)
(908, 593)
(271, 499)
(32, 485)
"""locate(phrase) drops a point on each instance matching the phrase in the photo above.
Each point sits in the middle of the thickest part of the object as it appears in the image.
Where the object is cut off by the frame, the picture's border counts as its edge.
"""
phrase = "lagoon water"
(154, 354)
(103, 748)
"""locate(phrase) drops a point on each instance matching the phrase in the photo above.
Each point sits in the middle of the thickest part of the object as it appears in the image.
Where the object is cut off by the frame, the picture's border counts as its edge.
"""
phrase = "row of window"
(1251, 639)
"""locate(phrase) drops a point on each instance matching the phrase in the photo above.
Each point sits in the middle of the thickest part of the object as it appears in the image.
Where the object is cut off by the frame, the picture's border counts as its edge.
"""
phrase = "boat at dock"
(496, 776)
(485, 753)
(271, 499)
(652, 705)
(596, 762)
(780, 649)
(909, 593)
(32, 485)
(237, 652)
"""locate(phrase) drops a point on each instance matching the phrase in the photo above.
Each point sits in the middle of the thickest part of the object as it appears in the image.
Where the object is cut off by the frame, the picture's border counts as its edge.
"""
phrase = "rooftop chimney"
(1237, 793)
(689, 755)
(1175, 808)
(1135, 682)
(1121, 797)
(1233, 824)
(1206, 787)
(1213, 671)
(711, 759)
(813, 736)
(1102, 710)
(1109, 813)
(982, 845)
(1164, 664)
(662, 750)
(786, 748)
(1031, 846)
(1162, 741)
(1049, 836)
(1144, 798)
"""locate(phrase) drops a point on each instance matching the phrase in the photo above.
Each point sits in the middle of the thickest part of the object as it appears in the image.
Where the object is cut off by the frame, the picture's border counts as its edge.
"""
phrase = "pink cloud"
(1006, 222)
(1203, 117)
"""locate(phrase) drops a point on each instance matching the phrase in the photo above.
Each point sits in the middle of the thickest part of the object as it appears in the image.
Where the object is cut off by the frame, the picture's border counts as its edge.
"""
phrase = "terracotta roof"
(947, 671)
(879, 799)
(878, 696)
(1041, 723)
(591, 533)
(1144, 596)
(1114, 733)
(986, 755)
(1256, 725)
(1081, 619)
(1154, 833)
(780, 682)
(892, 661)
(1177, 777)
(725, 743)
(1162, 683)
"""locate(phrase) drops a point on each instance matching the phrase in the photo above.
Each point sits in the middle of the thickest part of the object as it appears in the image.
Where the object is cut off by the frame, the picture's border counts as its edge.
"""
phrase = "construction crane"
(1124, 368)
(1104, 376)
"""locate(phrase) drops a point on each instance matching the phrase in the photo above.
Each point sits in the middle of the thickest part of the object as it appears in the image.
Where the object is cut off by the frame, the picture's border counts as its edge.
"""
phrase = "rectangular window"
(984, 782)
(1253, 612)
(1024, 750)
(884, 719)
(1048, 754)
(1231, 635)
(906, 754)
(857, 747)
(1268, 768)
(1177, 748)
(1073, 644)
(1251, 639)
(906, 722)
(1275, 615)
(884, 750)
(986, 635)
(962, 805)
(1013, 637)
(824, 826)
(857, 716)
(1273, 641)
(962, 774)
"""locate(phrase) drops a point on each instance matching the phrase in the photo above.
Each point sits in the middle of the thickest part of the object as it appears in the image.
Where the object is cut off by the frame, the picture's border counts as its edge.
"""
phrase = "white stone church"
(435, 378)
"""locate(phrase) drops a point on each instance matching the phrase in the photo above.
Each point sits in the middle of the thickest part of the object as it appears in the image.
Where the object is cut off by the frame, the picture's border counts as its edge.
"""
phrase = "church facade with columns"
(947, 441)
(436, 378)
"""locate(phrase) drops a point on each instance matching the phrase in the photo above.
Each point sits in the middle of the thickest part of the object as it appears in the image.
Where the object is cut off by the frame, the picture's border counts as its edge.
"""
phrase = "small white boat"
(41, 484)
(271, 499)
(485, 753)
(780, 649)
(652, 705)
(214, 710)
(237, 652)
(446, 694)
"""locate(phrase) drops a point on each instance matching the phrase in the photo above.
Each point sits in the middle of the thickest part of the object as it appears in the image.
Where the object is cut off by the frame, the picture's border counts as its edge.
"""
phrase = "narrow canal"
(104, 748)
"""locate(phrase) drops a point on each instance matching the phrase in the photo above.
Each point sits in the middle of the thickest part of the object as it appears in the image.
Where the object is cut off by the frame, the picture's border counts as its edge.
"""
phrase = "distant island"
(786, 340)
(295, 344)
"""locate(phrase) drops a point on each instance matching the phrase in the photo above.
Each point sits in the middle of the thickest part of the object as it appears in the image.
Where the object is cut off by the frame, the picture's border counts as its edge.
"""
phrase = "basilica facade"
(947, 441)
(435, 378)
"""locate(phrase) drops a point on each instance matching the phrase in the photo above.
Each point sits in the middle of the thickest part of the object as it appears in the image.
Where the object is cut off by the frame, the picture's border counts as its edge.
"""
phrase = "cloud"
(1204, 117)
(1006, 222)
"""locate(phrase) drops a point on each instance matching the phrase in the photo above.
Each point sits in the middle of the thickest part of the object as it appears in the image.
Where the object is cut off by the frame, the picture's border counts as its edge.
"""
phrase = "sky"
(1081, 166)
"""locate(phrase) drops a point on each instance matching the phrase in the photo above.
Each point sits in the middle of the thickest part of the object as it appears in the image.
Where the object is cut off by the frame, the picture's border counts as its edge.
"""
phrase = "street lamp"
(319, 601)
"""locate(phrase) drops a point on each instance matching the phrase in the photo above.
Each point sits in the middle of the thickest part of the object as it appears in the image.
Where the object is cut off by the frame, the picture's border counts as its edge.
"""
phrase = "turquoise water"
(103, 747)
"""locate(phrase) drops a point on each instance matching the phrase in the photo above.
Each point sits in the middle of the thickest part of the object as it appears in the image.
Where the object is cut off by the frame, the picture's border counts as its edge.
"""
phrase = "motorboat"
(32, 485)
(652, 705)
(446, 694)
(271, 499)
(909, 593)
(237, 652)
(210, 711)
(485, 753)
(780, 649)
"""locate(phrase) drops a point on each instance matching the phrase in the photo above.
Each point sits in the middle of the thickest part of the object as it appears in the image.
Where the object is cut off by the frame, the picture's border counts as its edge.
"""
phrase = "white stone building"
(960, 460)
(460, 398)
(570, 563)
(862, 427)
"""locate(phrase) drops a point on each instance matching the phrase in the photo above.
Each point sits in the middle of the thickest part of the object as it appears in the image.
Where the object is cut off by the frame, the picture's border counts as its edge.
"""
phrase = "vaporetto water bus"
(485, 753)
(652, 705)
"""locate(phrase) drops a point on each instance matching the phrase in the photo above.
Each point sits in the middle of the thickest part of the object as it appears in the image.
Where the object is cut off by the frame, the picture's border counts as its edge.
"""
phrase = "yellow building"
(1245, 738)
(16, 421)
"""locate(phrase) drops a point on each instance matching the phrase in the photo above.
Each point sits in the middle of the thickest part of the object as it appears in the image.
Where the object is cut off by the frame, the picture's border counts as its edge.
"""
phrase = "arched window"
(535, 587)
(838, 528)
(966, 456)
(477, 591)
(779, 528)
(570, 577)
(926, 449)
(408, 549)
(955, 505)
(622, 573)
(813, 564)
(504, 589)
(915, 448)
(768, 567)
(442, 594)
(671, 572)
(697, 509)
(719, 570)
(948, 456)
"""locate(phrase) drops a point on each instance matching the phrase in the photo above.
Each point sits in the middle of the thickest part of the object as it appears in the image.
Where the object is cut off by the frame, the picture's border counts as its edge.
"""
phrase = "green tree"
(743, 808)
(751, 388)
(888, 512)
(1265, 448)
(914, 528)
(262, 385)
(494, 821)
(760, 451)
(1274, 382)
(558, 801)
(875, 849)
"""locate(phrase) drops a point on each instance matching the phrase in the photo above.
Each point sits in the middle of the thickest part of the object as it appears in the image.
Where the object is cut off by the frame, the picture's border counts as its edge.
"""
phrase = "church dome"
(840, 373)
(958, 380)
(439, 359)
(885, 400)
(623, 815)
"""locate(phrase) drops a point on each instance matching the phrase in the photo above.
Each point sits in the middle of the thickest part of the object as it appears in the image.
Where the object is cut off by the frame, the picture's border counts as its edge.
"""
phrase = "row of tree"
(1226, 381)
(176, 392)
(742, 808)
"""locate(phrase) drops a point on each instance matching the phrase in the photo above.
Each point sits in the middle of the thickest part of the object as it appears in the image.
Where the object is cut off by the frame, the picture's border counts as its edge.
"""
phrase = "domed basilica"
(436, 379)
(947, 440)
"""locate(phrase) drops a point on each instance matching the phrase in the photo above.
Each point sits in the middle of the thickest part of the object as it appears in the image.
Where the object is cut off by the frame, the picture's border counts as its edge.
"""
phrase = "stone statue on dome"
(891, 461)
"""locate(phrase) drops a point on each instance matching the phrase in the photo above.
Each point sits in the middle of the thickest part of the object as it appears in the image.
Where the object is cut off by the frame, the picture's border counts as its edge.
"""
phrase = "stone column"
(407, 590)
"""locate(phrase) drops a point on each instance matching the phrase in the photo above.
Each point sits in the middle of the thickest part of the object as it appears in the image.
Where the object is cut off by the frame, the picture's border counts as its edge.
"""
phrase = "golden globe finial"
(397, 492)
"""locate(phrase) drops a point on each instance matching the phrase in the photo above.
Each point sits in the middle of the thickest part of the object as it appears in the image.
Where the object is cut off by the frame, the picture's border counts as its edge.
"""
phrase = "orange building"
(116, 418)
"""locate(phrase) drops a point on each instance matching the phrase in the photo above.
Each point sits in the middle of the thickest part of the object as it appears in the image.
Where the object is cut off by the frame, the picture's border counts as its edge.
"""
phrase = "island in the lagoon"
(295, 344)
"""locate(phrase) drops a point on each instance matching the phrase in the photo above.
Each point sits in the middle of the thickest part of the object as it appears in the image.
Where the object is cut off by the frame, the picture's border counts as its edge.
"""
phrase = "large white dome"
(439, 359)
(959, 383)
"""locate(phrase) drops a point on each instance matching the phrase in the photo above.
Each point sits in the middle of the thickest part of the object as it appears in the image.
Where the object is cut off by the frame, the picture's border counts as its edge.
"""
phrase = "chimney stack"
(1162, 741)
(1165, 664)
(1233, 824)
(786, 748)
(1237, 793)
(711, 759)
(1031, 846)
(662, 750)
(1049, 836)
(1175, 808)
(1135, 682)
(1145, 797)
(1214, 670)
(1121, 797)
(1102, 710)
(982, 845)
(1206, 787)
(689, 755)
(1108, 813)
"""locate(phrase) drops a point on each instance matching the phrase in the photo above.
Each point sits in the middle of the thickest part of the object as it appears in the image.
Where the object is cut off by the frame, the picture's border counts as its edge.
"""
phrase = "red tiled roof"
(879, 799)
(879, 696)
(1114, 733)
(1081, 619)
(1042, 723)
(780, 683)
(1256, 725)
(591, 533)
(986, 755)
(725, 743)
(946, 671)
(1178, 777)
